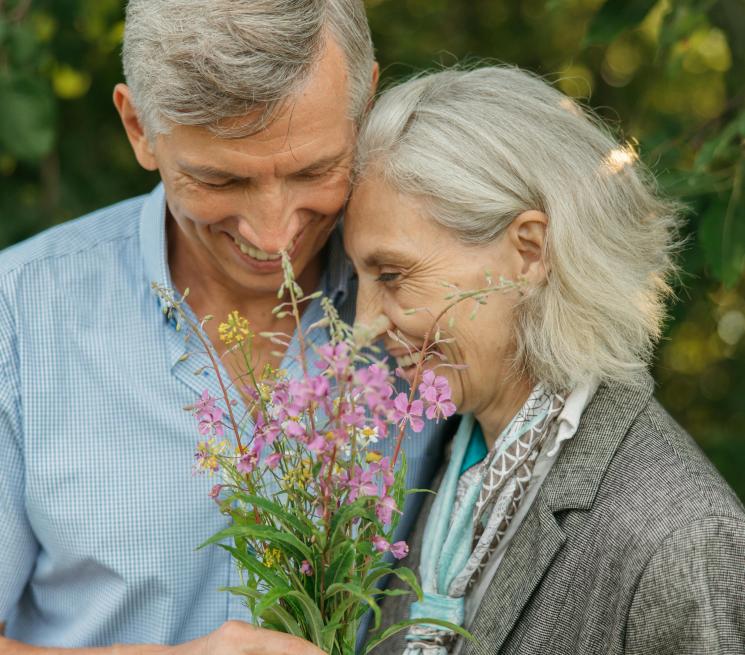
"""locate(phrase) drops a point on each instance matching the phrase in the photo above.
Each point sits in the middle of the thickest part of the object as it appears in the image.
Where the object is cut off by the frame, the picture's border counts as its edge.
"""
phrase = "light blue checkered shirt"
(99, 511)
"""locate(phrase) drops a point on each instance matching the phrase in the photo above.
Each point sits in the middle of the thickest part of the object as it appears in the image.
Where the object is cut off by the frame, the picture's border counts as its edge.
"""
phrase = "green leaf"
(398, 627)
(253, 565)
(614, 18)
(27, 128)
(721, 233)
(356, 591)
(300, 526)
(312, 617)
(358, 509)
(264, 533)
(340, 565)
(277, 615)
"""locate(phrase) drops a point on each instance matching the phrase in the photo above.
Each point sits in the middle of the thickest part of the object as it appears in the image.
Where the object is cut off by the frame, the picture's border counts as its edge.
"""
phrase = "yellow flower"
(234, 329)
(272, 557)
(373, 457)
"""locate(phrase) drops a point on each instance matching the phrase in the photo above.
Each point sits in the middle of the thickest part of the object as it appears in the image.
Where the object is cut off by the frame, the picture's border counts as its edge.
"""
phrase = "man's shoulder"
(80, 236)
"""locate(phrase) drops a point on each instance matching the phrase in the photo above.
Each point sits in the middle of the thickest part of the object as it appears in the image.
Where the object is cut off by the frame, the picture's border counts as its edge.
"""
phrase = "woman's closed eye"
(388, 277)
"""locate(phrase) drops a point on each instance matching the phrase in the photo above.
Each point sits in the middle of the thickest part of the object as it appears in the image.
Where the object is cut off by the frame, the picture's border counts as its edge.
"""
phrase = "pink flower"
(380, 544)
(267, 433)
(384, 509)
(359, 483)
(215, 492)
(205, 404)
(273, 460)
(317, 444)
(399, 550)
(432, 385)
(441, 408)
(336, 356)
(435, 391)
(384, 468)
(411, 412)
(305, 391)
(352, 416)
(294, 428)
(306, 568)
(247, 463)
(210, 422)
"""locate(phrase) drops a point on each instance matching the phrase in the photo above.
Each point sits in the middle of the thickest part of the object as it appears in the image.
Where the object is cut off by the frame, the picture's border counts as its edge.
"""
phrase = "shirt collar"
(336, 279)
(338, 271)
(153, 239)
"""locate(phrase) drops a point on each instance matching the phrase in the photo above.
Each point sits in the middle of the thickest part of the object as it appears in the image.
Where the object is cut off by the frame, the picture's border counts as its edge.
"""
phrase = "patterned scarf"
(482, 503)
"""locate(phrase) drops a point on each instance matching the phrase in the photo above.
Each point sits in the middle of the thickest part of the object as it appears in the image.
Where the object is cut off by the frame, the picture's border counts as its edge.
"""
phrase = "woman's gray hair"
(480, 147)
(203, 62)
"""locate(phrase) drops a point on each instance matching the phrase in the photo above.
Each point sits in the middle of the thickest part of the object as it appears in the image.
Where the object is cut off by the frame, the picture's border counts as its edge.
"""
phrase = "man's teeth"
(258, 254)
(408, 360)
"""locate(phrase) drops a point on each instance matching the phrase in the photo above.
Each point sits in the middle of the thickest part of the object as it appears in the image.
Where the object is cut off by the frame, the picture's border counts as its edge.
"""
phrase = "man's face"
(239, 202)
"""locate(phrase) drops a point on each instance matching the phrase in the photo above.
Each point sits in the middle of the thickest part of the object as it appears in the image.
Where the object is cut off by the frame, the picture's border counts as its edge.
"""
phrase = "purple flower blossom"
(383, 466)
(306, 568)
(247, 462)
(352, 416)
(359, 483)
(273, 460)
(205, 404)
(380, 544)
(210, 422)
(318, 444)
(336, 356)
(384, 509)
(399, 550)
(215, 492)
(411, 412)
(435, 391)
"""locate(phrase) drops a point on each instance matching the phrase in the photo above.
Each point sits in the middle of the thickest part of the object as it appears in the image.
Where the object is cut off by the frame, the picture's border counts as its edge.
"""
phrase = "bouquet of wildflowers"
(313, 504)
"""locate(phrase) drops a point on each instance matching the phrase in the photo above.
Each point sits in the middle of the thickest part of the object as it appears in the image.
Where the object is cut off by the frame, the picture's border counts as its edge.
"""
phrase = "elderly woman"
(573, 515)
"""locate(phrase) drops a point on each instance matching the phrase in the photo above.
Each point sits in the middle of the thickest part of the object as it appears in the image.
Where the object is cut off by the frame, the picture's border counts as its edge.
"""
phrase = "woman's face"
(404, 260)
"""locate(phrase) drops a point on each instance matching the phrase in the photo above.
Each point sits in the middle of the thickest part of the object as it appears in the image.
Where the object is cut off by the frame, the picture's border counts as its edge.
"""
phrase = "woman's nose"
(371, 317)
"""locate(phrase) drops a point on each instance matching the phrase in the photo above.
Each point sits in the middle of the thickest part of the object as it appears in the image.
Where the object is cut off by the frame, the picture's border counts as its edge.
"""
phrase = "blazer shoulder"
(666, 479)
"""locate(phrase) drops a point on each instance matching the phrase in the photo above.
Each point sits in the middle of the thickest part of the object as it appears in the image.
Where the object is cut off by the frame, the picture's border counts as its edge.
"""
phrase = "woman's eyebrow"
(389, 256)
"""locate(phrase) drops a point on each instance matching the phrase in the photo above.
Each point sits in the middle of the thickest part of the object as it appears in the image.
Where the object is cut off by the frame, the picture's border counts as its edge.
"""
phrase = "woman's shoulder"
(659, 481)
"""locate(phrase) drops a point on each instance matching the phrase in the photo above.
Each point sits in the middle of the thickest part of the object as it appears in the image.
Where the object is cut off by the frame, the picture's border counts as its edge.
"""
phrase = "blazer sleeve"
(691, 595)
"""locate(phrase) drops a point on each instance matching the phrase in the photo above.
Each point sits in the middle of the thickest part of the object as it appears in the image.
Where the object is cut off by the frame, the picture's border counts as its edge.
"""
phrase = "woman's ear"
(527, 235)
(134, 129)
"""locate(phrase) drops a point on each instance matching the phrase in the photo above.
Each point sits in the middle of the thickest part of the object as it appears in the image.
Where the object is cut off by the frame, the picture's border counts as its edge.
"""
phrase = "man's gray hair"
(480, 147)
(203, 62)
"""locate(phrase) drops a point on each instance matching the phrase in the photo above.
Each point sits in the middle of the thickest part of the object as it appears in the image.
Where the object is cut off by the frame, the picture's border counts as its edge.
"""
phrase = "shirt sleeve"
(18, 546)
(691, 596)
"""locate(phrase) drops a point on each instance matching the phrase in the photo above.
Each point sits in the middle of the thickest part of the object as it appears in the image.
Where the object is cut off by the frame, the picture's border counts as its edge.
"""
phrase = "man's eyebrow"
(202, 170)
(322, 164)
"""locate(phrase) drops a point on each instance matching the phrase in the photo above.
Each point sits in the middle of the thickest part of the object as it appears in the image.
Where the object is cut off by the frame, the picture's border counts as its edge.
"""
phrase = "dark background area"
(668, 76)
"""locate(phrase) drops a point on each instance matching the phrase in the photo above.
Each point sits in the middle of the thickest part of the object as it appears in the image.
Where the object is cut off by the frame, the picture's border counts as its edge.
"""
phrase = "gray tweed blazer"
(634, 545)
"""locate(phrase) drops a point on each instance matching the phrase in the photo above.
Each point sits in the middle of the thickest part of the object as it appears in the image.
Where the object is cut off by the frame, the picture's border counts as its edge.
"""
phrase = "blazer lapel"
(530, 553)
(572, 483)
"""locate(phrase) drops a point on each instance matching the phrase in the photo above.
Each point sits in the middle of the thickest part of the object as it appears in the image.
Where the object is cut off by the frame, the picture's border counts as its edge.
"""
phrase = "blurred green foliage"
(668, 76)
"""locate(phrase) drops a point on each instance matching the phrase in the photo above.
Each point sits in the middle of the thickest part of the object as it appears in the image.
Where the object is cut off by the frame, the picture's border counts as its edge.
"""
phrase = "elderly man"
(249, 112)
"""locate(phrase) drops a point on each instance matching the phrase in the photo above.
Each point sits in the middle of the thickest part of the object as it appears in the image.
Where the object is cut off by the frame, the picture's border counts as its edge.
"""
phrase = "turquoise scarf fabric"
(447, 543)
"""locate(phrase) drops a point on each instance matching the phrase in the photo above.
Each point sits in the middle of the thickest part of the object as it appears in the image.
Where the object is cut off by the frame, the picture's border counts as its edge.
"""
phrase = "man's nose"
(269, 221)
